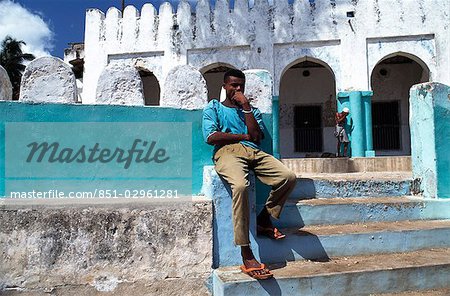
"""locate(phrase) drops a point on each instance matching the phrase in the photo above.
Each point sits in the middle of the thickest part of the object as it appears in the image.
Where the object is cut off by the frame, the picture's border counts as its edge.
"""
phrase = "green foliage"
(12, 58)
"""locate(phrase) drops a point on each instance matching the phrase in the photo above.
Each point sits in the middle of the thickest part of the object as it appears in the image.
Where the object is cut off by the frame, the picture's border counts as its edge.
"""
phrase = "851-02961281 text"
(130, 193)
(98, 193)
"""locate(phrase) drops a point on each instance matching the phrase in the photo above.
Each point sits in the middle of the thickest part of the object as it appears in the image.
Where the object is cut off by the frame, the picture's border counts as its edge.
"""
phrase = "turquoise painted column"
(2, 159)
(357, 124)
(276, 126)
(367, 99)
(429, 120)
(359, 121)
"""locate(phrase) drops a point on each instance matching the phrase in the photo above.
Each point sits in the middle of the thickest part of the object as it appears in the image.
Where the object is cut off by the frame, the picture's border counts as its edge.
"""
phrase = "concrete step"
(432, 292)
(349, 165)
(298, 213)
(325, 241)
(353, 185)
(317, 165)
(344, 276)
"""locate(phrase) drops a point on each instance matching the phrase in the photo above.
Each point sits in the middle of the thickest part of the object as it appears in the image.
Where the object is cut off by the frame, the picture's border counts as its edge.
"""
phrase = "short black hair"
(233, 72)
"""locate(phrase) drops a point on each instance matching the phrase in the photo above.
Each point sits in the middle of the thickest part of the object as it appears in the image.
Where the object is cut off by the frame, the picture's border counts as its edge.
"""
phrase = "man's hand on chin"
(240, 99)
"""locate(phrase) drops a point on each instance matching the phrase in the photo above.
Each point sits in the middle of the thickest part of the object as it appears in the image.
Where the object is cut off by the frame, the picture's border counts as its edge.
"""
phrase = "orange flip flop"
(265, 276)
(272, 233)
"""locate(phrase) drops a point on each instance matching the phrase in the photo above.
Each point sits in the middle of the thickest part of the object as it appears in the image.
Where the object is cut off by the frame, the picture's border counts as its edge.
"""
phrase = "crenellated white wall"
(270, 37)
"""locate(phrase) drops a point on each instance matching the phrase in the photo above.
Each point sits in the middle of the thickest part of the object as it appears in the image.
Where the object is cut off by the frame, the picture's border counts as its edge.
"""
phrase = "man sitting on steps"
(235, 129)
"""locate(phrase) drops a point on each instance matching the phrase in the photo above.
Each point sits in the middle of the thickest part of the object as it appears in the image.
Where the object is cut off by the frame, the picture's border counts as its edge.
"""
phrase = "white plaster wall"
(395, 87)
(236, 56)
(273, 37)
(120, 85)
(95, 59)
(185, 88)
(48, 79)
(79, 83)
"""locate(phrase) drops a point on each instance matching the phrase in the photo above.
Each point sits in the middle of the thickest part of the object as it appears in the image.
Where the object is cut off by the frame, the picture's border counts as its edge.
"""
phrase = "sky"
(47, 26)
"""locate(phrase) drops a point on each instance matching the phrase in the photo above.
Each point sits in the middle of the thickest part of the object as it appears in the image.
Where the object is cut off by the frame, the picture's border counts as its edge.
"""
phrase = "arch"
(150, 87)
(326, 57)
(213, 74)
(391, 79)
(307, 59)
(403, 54)
(216, 65)
(307, 102)
(421, 56)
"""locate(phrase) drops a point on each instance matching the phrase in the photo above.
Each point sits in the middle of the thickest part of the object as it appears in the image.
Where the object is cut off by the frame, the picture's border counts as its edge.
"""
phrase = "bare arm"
(253, 129)
(220, 138)
(340, 118)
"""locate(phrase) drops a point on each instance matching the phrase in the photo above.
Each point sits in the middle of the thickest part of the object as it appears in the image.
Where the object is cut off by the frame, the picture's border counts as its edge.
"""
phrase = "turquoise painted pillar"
(357, 124)
(429, 120)
(276, 126)
(367, 99)
(2, 159)
(359, 121)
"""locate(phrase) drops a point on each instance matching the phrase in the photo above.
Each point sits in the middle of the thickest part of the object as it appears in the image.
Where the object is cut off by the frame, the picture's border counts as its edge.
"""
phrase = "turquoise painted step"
(297, 213)
(349, 276)
(329, 187)
(326, 241)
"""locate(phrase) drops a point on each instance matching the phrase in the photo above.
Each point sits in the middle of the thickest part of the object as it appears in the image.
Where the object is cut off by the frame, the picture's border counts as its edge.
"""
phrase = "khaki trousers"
(232, 163)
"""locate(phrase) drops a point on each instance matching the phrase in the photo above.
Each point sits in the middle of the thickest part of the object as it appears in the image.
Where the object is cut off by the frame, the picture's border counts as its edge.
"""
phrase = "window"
(308, 128)
(386, 125)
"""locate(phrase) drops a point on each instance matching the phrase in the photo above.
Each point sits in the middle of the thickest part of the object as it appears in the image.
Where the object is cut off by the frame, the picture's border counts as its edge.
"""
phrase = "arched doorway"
(307, 109)
(151, 87)
(214, 78)
(391, 80)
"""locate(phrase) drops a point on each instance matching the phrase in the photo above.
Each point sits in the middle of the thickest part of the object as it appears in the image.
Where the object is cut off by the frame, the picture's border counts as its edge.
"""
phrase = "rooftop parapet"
(203, 26)
(221, 25)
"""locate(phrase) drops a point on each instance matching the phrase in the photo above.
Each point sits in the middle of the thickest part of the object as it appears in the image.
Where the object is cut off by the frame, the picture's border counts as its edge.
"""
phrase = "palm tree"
(11, 58)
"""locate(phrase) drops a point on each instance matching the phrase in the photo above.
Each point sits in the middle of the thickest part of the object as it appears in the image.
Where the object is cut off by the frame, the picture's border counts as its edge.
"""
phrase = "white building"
(314, 49)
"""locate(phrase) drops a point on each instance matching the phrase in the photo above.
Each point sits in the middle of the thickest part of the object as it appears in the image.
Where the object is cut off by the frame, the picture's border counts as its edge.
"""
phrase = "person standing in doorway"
(340, 133)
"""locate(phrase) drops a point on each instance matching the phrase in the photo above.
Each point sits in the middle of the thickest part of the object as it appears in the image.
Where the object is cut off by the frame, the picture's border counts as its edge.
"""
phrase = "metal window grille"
(386, 125)
(308, 128)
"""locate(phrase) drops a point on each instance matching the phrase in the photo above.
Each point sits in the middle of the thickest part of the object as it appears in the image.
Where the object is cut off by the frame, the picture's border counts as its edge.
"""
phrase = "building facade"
(314, 50)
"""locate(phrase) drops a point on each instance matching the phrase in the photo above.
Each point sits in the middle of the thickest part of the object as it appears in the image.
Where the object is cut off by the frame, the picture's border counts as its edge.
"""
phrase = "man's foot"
(252, 267)
(271, 232)
(258, 273)
(265, 226)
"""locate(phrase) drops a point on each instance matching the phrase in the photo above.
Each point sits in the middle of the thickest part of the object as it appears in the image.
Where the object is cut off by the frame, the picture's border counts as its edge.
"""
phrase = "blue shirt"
(220, 118)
